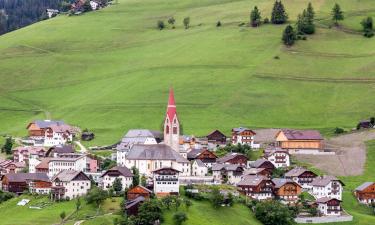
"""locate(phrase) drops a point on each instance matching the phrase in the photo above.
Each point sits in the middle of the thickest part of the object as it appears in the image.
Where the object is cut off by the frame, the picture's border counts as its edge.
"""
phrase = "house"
(301, 176)
(147, 158)
(204, 155)
(263, 163)
(8, 166)
(165, 181)
(365, 124)
(57, 150)
(327, 186)
(244, 136)
(256, 187)
(329, 206)
(278, 157)
(117, 172)
(94, 5)
(137, 191)
(198, 168)
(233, 158)
(91, 164)
(132, 206)
(300, 141)
(365, 193)
(258, 171)
(22, 153)
(52, 12)
(20, 182)
(286, 190)
(227, 173)
(69, 161)
(189, 143)
(69, 184)
(217, 137)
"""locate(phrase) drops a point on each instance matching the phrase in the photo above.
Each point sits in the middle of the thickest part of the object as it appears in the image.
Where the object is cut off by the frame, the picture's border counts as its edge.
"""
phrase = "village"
(48, 163)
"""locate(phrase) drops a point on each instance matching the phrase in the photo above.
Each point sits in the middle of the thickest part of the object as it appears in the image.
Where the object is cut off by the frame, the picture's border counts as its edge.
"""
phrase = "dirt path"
(350, 155)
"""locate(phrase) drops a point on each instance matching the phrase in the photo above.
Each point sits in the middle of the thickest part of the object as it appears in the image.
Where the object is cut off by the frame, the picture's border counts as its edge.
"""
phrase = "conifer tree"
(279, 16)
(337, 14)
(289, 36)
(255, 17)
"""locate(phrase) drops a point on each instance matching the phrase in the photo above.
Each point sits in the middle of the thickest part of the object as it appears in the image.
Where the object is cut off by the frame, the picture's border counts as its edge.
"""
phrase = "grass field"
(110, 70)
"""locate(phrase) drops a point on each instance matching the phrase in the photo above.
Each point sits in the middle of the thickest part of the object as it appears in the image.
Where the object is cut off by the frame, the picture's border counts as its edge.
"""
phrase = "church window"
(174, 130)
(167, 129)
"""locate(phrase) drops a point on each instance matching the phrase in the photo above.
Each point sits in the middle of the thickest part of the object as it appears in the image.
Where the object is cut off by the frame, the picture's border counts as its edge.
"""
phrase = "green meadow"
(111, 70)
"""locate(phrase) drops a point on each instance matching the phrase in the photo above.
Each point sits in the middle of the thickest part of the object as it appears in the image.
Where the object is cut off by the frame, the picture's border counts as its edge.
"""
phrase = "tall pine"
(255, 17)
(289, 36)
(279, 16)
(305, 21)
(337, 14)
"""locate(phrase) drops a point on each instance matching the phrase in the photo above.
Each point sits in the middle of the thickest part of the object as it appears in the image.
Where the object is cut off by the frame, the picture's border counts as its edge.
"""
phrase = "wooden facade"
(366, 194)
(233, 158)
(288, 192)
(137, 191)
(34, 130)
(207, 156)
(286, 141)
(217, 137)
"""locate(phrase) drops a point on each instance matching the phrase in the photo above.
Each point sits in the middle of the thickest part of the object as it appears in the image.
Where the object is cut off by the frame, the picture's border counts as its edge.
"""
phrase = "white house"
(278, 157)
(94, 5)
(52, 12)
(327, 186)
(70, 161)
(301, 176)
(70, 184)
(166, 181)
(117, 172)
(329, 206)
(34, 160)
(227, 173)
(244, 136)
(198, 168)
(147, 158)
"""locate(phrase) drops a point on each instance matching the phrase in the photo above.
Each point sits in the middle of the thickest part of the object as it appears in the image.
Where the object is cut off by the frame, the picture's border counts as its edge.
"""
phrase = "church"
(148, 156)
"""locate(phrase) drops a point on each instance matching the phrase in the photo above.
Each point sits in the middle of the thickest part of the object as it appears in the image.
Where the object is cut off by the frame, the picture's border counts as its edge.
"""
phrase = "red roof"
(171, 109)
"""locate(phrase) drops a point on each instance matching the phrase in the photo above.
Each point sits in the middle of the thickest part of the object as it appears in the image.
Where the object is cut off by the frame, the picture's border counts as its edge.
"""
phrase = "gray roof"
(48, 123)
(258, 163)
(252, 180)
(23, 177)
(200, 163)
(137, 136)
(279, 182)
(295, 172)
(229, 156)
(324, 180)
(364, 186)
(154, 152)
(302, 134)
(194, 153)
(228, 167)
(68, 175)
(325, 199)
(122, 170)
(135, 201)
(240, 129)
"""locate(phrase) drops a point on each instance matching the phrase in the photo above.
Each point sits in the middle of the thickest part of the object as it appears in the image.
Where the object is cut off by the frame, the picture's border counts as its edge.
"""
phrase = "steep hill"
(110, 70)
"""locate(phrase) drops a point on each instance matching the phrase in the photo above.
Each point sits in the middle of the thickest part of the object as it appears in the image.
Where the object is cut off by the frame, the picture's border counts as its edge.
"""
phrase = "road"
(83, 149)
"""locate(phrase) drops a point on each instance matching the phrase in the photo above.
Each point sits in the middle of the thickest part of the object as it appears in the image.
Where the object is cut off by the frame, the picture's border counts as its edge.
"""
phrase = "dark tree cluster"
(367, 25)
(279, 16)
(305, 21)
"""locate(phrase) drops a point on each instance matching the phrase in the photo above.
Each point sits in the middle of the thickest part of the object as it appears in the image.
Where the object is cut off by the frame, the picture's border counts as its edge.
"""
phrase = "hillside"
(110, 70)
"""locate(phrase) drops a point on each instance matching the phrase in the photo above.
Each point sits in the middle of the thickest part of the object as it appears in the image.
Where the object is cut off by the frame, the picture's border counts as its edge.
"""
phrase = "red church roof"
(171, 110)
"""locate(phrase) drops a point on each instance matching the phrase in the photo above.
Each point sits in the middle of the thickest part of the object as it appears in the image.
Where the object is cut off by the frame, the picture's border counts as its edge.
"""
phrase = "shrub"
(339, 130)
(266, 20)
(179, 218)
(160, 25)
(218, 24)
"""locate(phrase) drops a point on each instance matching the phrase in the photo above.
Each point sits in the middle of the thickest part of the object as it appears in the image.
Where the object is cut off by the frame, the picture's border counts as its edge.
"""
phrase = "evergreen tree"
(86, 6)
(289, 36)
(186, 24)
(3, 22)
(160, 25)
(7, 147)
(279, 16)
(367, 25)
(255, 17)
(310, 14)
(117, 185)
(337, 14)
(171, 21)
(135, 172)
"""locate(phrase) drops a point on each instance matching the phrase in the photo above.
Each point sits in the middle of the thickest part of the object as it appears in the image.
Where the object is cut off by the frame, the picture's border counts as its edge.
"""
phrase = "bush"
(368, 33)
(266, 20)
(273, 212)
(160, 25)
(218, 24)
(179, 218)
(339, 130)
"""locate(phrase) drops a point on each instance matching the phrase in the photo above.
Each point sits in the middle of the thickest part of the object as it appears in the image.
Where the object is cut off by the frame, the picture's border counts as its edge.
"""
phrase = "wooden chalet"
(259, 171)
(137, 191)
(301, 176)
(263, 163)
(365, 193)
(286, 190)
(205, 155)
(217, 137)
(299, 139)
(256, 187)
(233, 158)
(19, 182)
(329, 206)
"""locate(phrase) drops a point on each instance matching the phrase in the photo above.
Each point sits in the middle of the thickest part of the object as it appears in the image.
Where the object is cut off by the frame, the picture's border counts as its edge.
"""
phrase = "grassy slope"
(110, 70)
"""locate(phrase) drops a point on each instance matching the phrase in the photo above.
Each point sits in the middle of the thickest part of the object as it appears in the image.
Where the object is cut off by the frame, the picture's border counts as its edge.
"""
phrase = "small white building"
(69, 184)
(329, 206)
(166, 181)
(52, 12)
(278, 157)
(198, 168)
(302, 176)
(244, 136)
(327, 186)
(69, 161)
(117, 172)
(227, 173)
(94, 5)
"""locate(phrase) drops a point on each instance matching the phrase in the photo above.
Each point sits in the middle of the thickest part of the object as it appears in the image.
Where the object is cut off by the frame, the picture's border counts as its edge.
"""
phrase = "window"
(167, 129)
(174, 130)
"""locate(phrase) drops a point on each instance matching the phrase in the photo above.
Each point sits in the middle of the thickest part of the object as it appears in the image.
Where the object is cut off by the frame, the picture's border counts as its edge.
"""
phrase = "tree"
(218, 24)
(187, 203)
(372, 121)
(278, 16)
(339, 130)
(177, 202)
(367, 25)
(107, 163)
(273, 212)
(230, 199)
(167, 201)
(78, 204)
(86, 6)
(186, 22)
(149, 212)
(217, 198)
(96, 196)
(255, 17)
(160, 25)
(3, 22)
(7, 147)
(62, 216)
(304, 25)
(135, 172)
(337, 14)
(289, 36)
(179, 218)
(171, 21)
(117, 185)
(143, 180)
(310, 14)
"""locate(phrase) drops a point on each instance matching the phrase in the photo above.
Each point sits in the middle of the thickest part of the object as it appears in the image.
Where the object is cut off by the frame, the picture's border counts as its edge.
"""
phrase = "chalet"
(204, 155)
(8, 166)
(132, 206)
(22, 153)
(233, 158)
(20, 182)
(259, 171)
(329, 206)
(166, 181)
(286, 190)
(147, 158)
(365, 124)
(227, 173)
(262, 163)
(117, 172)
(69, 184)
(365, 193)
(217, 137)
(244, 136)
(327, 186)
(57, 150)
(137, 191)
(301, 176)
(300, 141)
(198, 168)
(278, 157)
(256, 187)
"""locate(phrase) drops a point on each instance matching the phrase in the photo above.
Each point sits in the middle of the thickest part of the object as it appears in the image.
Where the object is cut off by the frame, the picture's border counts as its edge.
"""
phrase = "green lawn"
(110, 70)
(202, 213)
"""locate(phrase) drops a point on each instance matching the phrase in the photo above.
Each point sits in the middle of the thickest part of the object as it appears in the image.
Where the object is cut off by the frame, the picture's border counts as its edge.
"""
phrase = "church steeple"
(171, 124)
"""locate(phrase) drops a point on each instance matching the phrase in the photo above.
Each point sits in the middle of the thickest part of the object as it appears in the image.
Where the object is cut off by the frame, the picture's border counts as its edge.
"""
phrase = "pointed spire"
(171, 101)
(171, 109)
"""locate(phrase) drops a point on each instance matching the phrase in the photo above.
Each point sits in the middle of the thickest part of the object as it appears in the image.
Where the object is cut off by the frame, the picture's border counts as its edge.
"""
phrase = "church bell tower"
(171, 124)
